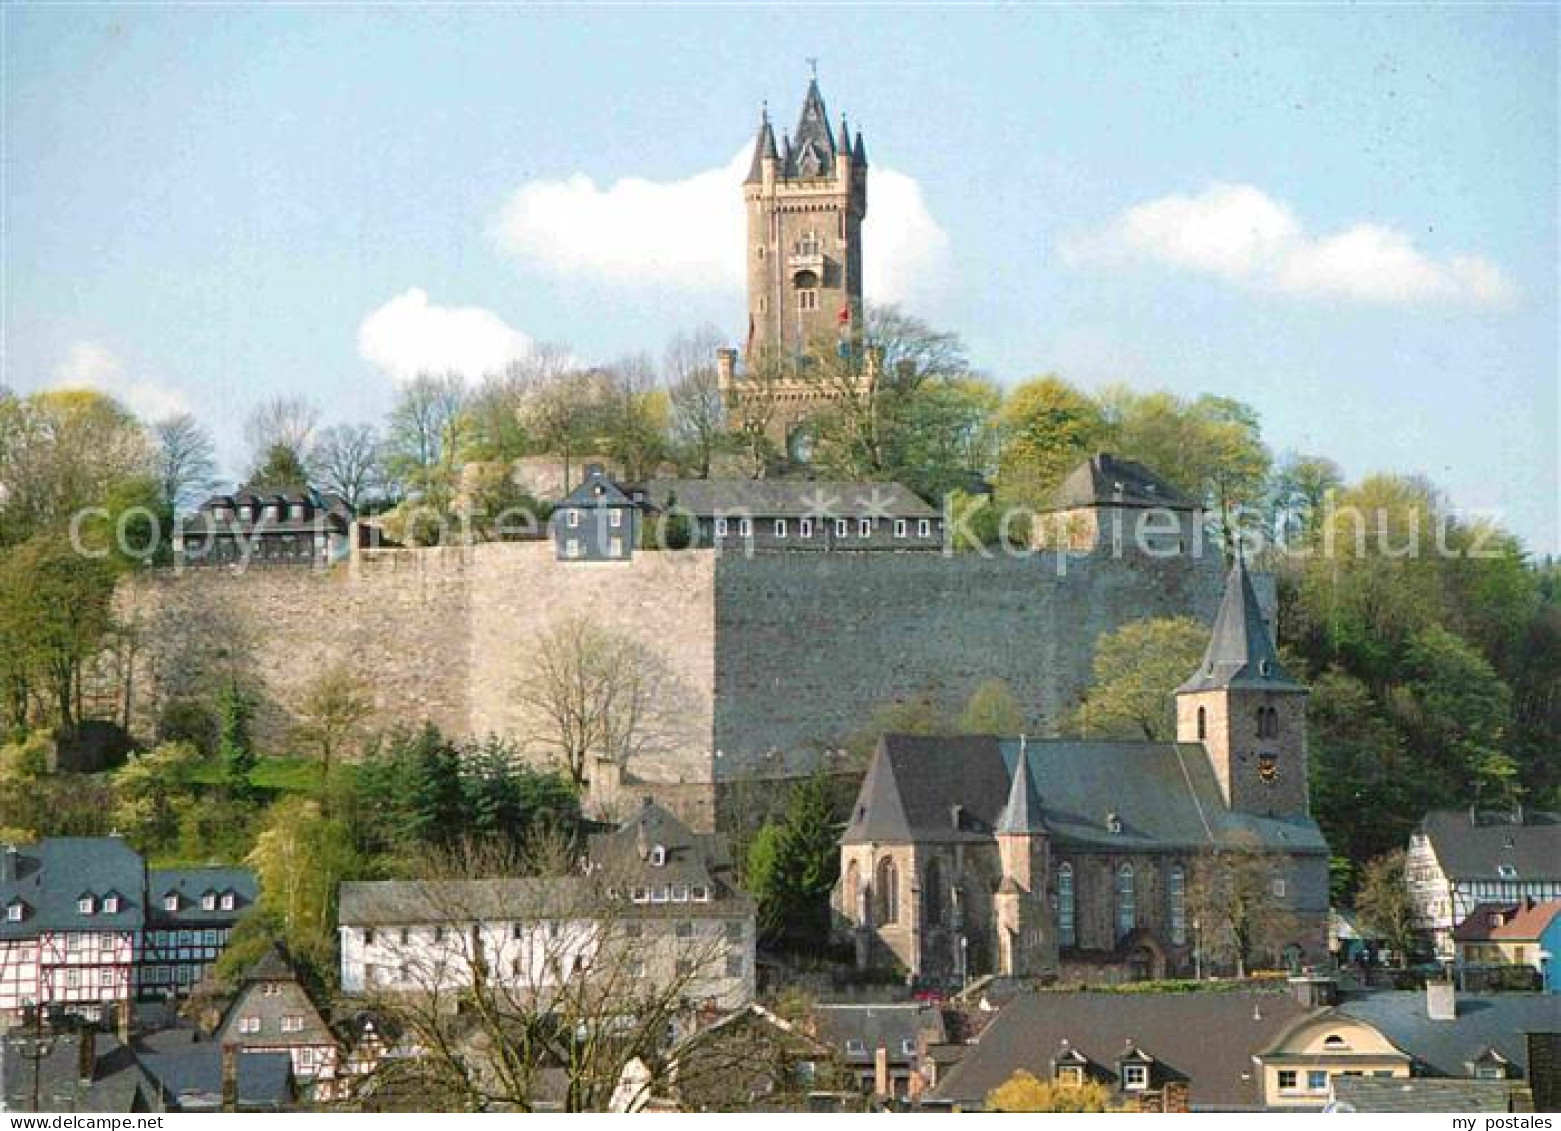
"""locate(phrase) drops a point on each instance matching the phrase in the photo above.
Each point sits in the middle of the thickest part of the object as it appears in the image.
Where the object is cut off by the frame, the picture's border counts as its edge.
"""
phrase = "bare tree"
(698, 408)
(426, 429)
(564, 414)
(332, 711)
(186, 460)
(754, 405)
(345, 459)
(280, 421)
(1238, 917)
(546, 991)
(592, 692)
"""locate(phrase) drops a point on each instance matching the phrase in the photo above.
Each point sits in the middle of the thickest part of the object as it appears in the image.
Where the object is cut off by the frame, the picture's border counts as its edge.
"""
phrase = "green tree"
(151, 794)
(992, 709)
(1048, 428)
(1455, 711)
(235, 748)
(300, 858)
(279, 468)
(793, 864)
(1137, 670)
(1384, 903)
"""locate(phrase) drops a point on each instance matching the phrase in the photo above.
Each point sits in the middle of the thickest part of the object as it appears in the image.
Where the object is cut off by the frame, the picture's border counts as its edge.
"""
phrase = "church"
(1097, 860)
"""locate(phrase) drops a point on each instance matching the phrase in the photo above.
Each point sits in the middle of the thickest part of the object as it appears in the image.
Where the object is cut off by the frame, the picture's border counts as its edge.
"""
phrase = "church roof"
(813, 145)
(1241, 652)
(1108, 480)
(1109, 796)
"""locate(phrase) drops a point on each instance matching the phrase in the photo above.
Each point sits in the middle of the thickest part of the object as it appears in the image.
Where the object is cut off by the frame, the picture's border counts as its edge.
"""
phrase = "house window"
(208, 902)
(1316, 1079)
(85, 905)
(1135, 1077)
(227, 901)
(572, 548)
(1127, 909)
(1335, 1043)
(1070, 1075)
(170, 903)
(700, 893)
(924, 528)
(1203, 723)
(780, 528)
(111, 905)
(900, 527)
(572, 517)
(744, 527)
(720, 528)
(1489, 1072)
(1280, 887)
(13, 913)
(805, 528)
(72, 979)
(368, 936)
(1288, 1079)
(855, 1047)
(658, 856)
(292, 1023)
(679, 893)
(615, 517)
(1176, 889)
(1065, 929)
(249, 1025)
(1506, 871)
(842, 528)
(807, 300)
(243, 513)
(886, 891)
(864, 527)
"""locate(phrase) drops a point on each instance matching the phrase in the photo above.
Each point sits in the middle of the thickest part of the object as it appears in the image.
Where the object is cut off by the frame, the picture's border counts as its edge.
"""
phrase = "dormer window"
(15, 911)
(273, 510)
(658, 856)
(1507, 871)
(1070, 1075)
(219, 514)
(908, 1047)
(171, 901)
(1135, 1077)
(209, 901)
(111, 905)
(244, 513)
(855, 1047)
(226, 902)
(296, 510)
(86, 905)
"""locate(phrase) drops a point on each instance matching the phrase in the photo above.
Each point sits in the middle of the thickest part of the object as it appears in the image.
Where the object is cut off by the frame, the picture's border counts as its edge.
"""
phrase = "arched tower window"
(1127, 901)
(886, 892)
(1203, 723)
(932, 894)
(1176, 891)
(1066, 933)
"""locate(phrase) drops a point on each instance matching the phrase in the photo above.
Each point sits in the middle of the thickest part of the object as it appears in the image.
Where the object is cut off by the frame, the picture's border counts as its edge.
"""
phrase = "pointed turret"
(845, 138)
(763, 148)
(1241, 652)
(1022, 815)
(859, 149)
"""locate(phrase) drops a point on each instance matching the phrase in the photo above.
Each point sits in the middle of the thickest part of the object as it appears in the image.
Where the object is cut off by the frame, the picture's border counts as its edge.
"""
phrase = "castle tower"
(1026, 938)
(1246, 711)
(806, 199)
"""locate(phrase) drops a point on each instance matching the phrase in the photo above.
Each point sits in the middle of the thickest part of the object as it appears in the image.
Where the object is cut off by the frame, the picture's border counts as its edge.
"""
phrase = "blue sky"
(1344, 216)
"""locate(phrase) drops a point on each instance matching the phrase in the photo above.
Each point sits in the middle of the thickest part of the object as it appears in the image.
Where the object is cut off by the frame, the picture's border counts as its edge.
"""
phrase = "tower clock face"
(1268, 768)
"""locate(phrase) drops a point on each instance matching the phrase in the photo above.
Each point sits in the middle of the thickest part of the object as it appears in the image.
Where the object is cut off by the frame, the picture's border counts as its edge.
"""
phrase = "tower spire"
(1022, 814)
(1241, 652)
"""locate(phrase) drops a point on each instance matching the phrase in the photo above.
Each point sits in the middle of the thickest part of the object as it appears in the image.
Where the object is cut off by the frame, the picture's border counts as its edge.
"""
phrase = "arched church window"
(1176, 891)
(886, 892)
(932, 894)
(1066, 934)
(1127, 901)
(1203, 723)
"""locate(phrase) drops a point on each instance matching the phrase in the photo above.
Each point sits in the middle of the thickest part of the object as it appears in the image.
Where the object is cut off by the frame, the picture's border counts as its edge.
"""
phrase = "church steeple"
(1022, 815)
(1241, 652)
(763, 148)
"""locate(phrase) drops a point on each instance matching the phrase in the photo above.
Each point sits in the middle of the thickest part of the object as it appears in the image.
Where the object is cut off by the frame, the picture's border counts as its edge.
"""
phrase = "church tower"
(806, 199)
(1026, 938)
(1246, 711)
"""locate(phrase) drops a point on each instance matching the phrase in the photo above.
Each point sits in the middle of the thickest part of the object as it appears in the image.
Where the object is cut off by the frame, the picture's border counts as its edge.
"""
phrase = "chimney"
(87, 1057)
(1315, 991)
(8, 860)
(881, 1072)
(1441, 1001)
(229, 1077)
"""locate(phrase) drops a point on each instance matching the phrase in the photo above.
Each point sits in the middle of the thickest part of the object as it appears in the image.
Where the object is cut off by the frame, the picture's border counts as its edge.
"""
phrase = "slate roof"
(50, 876)
(190, 884)
(763, 146)
(189, 1077)
(1108, 480)
(1241, 652)
(118, 1083)
(327, 510)
(1163, 795)
(1207, 1038)
(876, 1026)
(1366, 1094)
(812, 135)
(1448, 1048)
(597, 489)
(288, 1000)
(1022, 812)
(1475, 846)
(689, 858)
(788, 498)
(383, 903)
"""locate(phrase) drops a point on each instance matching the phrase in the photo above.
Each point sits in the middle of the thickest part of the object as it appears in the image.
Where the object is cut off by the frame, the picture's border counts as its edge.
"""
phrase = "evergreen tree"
(235, 750)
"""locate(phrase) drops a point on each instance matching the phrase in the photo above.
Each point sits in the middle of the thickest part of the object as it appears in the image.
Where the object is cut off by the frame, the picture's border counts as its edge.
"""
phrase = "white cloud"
(410, 335)
(690, 233)
(90, 366)
(1242, 235)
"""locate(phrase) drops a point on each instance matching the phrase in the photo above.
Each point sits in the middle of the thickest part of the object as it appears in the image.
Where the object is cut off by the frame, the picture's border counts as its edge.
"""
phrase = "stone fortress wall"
(770, 660)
